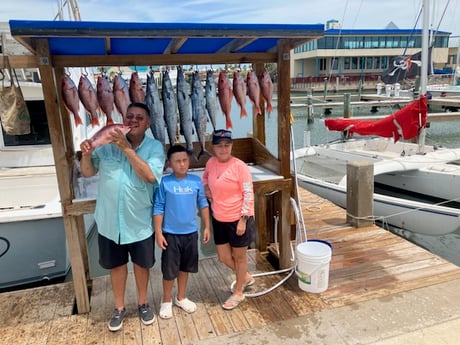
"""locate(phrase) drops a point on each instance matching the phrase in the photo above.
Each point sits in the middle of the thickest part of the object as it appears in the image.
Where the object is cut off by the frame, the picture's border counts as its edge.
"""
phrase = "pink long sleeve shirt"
(231, 188)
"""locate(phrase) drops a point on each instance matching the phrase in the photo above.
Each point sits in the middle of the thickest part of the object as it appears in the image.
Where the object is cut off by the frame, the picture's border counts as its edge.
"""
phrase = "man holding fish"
(130, 165)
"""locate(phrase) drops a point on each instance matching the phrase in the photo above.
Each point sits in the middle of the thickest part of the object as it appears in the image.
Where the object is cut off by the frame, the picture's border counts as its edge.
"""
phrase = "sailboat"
(417, 187)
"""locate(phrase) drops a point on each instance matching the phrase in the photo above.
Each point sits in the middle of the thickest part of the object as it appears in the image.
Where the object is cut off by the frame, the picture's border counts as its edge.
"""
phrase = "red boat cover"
(405, 124)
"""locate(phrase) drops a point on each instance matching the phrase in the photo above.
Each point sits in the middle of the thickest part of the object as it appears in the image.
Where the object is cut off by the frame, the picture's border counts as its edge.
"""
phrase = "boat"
(415, 186)
(423, 210)
(33, 244)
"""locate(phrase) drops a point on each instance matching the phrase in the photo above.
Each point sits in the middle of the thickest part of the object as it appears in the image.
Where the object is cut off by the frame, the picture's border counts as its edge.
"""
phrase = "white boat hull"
(410, 215)
(33, 243)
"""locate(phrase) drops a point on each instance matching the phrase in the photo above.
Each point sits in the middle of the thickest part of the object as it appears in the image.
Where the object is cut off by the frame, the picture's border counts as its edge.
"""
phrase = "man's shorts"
(112, 255)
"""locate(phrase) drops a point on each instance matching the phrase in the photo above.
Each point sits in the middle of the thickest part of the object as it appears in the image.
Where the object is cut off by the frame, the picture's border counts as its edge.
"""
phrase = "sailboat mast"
(425, 48)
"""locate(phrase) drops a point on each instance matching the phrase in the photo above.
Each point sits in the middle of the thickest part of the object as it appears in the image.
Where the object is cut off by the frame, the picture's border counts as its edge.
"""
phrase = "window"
(369, 62)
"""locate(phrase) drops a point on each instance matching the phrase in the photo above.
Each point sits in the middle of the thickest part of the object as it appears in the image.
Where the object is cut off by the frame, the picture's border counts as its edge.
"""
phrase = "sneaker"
(116, 321)
(186, 304)
(146, 314)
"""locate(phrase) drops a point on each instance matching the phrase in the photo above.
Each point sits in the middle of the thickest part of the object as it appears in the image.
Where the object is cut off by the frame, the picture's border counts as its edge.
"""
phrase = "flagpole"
(424, 68)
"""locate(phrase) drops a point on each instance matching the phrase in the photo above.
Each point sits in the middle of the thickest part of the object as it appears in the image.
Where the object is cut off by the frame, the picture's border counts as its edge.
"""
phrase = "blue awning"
(79, 38)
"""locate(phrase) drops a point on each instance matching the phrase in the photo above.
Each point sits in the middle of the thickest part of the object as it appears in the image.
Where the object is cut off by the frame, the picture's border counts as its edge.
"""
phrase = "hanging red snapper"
(105, 97)
(225, 97)
(70, 97)
(266, 86)
(104, 135)
(254, 91)
(239, 91)
(136, 92)
(88, 98)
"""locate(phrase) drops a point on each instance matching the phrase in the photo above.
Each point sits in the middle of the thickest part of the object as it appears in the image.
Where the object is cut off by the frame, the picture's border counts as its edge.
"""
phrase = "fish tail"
(228, 122)
(78, 120)
(203, 152)
(243, 112)
(109, 121)
(258, 110)
(94, 121)
(269, 108)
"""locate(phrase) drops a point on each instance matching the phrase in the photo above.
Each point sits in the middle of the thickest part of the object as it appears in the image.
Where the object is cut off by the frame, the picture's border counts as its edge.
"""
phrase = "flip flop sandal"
(232, 302)
(245, 286)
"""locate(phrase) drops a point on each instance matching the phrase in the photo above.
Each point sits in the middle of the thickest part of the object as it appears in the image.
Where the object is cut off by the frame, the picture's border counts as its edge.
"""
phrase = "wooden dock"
(367, 263)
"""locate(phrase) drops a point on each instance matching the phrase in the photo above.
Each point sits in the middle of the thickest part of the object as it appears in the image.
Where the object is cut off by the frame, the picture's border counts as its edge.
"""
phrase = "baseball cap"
(221, 134)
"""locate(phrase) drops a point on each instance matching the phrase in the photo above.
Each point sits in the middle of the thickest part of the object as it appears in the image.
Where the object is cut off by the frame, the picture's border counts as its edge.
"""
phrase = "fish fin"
(190, 152)
(78, 120)
(94, 121)
(228, 122)
(203, 152)
(243, 112)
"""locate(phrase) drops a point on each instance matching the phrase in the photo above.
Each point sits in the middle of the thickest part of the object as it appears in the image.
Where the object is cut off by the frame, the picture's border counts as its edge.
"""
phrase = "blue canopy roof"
(118, 39)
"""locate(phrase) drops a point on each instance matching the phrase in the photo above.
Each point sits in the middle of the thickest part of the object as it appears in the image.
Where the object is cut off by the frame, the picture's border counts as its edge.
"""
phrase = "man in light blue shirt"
(129, 168)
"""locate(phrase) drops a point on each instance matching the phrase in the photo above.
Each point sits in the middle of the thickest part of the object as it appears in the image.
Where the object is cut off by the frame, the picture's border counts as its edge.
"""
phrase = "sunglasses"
(138, 117)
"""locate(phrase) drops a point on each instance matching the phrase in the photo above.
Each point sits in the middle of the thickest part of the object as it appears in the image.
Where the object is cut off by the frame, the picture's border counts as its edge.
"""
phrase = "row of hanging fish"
(253, 87)
(182, 112)
(105, 97)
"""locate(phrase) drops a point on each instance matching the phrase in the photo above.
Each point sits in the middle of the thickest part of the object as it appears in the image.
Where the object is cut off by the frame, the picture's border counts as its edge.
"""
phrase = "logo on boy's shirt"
(183, 190)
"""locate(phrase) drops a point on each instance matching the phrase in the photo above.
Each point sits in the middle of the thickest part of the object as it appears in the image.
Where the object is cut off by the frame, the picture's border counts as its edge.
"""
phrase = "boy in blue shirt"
(177, 201)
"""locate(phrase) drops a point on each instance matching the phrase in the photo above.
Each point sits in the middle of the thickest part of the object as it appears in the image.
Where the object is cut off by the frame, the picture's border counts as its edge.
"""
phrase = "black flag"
(402, 67)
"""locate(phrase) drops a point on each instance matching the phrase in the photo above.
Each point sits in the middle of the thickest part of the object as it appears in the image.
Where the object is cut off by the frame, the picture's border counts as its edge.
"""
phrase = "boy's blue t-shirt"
(179, 200)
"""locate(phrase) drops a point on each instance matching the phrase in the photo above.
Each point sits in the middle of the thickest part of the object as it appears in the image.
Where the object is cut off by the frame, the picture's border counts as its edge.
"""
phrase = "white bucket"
(313, 259)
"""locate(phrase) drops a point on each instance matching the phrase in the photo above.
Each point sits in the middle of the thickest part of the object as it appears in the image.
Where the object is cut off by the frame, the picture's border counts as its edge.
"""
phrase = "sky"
(353, 14)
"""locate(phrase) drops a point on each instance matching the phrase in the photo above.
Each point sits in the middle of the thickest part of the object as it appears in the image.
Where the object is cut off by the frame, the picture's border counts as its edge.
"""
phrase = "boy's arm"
(204, 212)
(157, 224)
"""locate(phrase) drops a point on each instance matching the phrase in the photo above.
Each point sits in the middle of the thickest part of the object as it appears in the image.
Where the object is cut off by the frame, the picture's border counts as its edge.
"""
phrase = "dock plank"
(367, 263)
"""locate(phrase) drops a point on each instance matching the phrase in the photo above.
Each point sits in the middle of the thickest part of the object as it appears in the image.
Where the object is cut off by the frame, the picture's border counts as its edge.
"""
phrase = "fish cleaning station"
(381, 286)
(58, 45)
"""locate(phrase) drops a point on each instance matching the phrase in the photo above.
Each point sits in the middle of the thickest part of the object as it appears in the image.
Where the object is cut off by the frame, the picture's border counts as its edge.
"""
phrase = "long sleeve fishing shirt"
(124, 201)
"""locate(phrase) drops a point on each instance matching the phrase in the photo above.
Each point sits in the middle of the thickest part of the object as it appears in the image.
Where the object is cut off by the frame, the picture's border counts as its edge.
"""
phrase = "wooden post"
(310, 115)
(346, 105)
(360, 193)
(284, 148)
(61, 145)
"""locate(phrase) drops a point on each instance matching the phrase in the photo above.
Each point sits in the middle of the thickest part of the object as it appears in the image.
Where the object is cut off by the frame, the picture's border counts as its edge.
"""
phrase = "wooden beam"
(284, 145)
(108, 46)
(71, 224)
(174, 45)
(284, 108)
(21, 61)
(236, 45)
(171, 59)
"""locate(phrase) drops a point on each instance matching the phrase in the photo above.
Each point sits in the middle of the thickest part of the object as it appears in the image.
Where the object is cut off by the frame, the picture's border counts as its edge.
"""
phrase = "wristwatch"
(245, 218)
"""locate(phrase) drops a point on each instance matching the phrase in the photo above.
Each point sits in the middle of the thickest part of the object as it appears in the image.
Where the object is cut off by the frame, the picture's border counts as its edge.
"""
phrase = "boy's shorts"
(112, 255)
(181, 254)
(225, 232)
